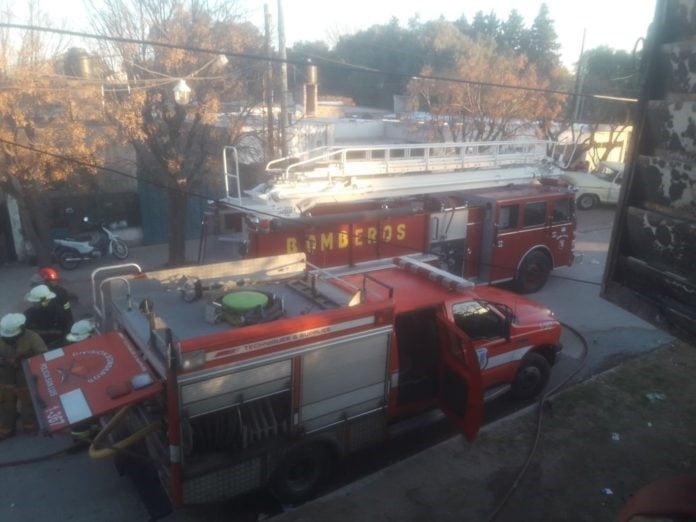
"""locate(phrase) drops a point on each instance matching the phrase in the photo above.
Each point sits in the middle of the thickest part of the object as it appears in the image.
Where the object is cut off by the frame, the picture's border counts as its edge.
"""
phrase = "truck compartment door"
(86, 380)
(460, 393)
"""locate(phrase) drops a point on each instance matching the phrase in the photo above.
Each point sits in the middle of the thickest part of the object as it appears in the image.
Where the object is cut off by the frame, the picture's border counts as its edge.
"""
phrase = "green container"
(243, 301)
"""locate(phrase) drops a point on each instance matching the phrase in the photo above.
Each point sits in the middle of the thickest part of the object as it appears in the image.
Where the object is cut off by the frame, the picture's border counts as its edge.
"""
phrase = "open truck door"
(460, 393)
(86, 380)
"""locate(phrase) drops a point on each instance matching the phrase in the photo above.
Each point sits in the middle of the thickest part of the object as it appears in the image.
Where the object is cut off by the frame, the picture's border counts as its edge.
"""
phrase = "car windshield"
(605, 173)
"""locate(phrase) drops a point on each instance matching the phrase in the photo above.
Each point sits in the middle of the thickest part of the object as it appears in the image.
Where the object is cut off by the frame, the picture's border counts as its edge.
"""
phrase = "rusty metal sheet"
(666, 186)
(662, 241)
(679, 67)
(672, 127)
(680, 17)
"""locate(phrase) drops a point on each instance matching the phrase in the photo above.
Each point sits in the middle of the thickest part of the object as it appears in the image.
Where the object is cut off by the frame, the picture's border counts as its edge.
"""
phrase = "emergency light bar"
(442, 277)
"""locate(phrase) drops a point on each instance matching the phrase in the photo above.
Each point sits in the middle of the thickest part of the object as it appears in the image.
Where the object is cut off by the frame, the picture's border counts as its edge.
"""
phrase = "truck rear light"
(192, 360)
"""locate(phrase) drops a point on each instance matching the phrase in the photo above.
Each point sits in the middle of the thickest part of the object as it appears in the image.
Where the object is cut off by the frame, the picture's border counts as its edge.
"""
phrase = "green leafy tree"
(386, 47)
(542, 47)
(609, 72)
(514, 36)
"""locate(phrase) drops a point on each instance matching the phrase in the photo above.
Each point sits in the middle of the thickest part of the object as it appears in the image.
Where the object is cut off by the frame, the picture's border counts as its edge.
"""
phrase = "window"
(535, 214)
(508, 217)
(561, 210)
(478, 320)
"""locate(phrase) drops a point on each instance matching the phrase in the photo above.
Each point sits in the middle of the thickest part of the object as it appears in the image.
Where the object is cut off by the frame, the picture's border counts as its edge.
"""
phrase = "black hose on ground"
(540, 417)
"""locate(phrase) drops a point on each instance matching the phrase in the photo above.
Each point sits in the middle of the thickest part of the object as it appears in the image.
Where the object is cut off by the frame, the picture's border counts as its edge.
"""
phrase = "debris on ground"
(655, 396)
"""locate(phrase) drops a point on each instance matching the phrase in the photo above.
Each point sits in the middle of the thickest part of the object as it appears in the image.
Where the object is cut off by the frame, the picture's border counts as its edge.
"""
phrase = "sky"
(615, 23)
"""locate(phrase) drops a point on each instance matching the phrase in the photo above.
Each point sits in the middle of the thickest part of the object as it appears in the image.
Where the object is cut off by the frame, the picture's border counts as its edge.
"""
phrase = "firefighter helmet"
(39, 294)
(11, 325)
(81, 330)
(48, 274)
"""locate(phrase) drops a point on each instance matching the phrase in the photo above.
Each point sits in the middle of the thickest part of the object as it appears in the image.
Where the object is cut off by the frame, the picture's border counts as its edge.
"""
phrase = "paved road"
(75, 488)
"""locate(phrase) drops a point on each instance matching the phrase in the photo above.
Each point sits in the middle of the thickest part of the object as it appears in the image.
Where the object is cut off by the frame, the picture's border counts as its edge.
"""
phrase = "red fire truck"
(518, 232)
(233, 376)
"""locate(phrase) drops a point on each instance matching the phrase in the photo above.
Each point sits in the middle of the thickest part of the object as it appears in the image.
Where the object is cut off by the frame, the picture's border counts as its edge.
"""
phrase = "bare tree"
(40, 135)
(175, 144)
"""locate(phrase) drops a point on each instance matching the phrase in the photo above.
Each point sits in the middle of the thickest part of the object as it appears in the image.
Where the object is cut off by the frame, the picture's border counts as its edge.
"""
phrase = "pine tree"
(513, 34)
(542, 47)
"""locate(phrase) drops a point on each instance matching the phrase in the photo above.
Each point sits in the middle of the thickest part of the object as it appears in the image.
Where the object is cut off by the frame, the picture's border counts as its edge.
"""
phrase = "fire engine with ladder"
(489, 211)
(229, 377)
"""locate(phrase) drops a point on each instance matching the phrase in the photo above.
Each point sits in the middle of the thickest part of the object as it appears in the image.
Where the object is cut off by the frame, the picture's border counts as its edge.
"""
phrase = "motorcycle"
(71, 251)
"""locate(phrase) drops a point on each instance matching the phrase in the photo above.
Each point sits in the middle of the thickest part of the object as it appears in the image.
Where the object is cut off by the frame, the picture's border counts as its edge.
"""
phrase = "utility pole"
(579, 78)
(283, 82)
(268, 88)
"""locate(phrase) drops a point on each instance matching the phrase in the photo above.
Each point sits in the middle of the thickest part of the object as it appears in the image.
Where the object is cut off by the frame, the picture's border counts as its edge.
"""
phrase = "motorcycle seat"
(81, 237)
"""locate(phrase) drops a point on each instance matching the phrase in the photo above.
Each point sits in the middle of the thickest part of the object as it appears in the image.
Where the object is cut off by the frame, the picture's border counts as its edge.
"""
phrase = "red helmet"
(48, 274)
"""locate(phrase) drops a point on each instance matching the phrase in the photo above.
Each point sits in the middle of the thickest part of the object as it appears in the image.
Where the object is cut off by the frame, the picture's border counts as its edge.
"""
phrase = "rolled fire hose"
(99, 453)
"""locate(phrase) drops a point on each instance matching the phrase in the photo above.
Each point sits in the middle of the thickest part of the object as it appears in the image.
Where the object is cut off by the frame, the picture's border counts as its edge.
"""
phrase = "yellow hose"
(113, 449)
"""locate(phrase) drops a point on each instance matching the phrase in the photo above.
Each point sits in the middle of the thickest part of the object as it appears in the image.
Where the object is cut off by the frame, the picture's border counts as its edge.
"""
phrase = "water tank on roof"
(78, 63)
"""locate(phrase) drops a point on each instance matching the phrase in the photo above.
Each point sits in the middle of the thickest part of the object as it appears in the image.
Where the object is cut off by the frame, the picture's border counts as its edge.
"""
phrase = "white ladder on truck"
(332, 174)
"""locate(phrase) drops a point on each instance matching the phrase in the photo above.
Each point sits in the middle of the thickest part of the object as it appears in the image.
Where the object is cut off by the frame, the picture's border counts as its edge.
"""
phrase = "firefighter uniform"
(13, 349)
(51, 279)
(47, 316)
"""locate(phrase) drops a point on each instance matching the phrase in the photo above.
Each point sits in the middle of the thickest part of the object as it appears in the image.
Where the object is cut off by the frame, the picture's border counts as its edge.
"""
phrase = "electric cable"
(540, 416)
(344, 67)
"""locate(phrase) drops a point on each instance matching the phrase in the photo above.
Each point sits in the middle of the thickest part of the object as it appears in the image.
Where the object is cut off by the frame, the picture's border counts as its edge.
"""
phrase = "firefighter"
(81, 330)
(51, 279)
(16, 343)
(46, 316)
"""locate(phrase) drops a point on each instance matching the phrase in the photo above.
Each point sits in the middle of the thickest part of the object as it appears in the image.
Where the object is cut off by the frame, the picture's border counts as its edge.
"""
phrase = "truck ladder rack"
(346, 174)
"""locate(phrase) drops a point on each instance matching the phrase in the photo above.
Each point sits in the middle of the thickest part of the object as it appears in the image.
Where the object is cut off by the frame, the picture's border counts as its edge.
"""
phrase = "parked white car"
(601, 186)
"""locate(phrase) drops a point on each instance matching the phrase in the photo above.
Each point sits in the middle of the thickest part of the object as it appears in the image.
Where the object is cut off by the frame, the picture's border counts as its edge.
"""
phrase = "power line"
(339, 66)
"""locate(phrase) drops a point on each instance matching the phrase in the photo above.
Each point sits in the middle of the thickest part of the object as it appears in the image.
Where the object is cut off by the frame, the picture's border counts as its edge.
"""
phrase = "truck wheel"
(587, 201)
(302, 472)
(533, 273)
(69, 258)
(531, 378)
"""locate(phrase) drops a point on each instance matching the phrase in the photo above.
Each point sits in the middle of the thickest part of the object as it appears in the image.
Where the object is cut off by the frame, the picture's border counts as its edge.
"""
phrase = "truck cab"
(264, 372)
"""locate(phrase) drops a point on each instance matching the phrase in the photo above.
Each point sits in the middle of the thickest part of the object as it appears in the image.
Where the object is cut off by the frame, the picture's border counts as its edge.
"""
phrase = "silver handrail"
(98, 307)
(527, 151)
(236, 172)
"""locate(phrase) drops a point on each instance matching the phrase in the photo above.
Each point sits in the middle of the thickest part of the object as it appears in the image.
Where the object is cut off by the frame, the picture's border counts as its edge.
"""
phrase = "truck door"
(460, 393)
(86, 380)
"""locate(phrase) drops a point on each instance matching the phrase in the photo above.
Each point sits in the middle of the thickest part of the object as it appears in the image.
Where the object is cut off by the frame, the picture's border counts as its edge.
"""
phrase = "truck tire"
(531, 378)
(302, 473)
(69, 258)
(587, 201)
(533, 272)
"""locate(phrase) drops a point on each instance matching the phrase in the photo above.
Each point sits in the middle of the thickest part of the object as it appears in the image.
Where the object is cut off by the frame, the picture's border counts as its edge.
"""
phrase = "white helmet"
(11, 325)
(80, 330)
(39, 293)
